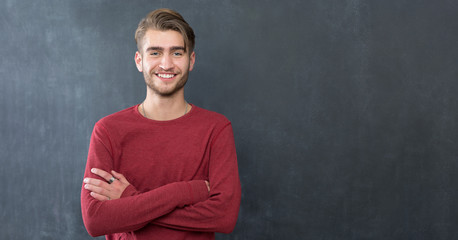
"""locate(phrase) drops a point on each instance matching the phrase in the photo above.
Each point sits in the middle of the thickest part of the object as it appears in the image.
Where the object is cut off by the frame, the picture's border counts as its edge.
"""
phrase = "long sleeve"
(133, 211)
(219, 212)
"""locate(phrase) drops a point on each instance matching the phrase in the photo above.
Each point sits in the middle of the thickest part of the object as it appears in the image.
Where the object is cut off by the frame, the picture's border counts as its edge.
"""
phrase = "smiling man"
(164, 168)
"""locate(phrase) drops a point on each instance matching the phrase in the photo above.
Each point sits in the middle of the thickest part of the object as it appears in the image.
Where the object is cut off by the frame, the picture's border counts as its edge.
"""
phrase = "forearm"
(216, 214)
(134, 212)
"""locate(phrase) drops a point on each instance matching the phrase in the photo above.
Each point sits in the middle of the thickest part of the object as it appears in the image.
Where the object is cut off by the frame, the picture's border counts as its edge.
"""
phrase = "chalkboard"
(344, 112)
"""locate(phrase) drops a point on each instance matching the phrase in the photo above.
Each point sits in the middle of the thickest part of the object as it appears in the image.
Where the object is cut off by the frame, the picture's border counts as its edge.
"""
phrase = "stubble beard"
(165, 92)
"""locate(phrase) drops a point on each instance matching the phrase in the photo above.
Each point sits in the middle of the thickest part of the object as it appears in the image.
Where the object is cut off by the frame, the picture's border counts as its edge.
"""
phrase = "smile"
(161, 75)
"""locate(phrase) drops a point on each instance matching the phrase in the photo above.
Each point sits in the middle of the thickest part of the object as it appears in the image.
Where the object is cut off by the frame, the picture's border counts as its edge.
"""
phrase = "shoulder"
(211, 121)
(210, 116)
(118, 118)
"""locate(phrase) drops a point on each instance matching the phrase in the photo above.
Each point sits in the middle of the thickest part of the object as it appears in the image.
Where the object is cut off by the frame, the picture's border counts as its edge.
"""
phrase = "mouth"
(166, 76)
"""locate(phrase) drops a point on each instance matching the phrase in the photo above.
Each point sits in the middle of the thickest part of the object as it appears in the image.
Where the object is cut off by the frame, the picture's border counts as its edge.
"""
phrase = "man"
(165, 168)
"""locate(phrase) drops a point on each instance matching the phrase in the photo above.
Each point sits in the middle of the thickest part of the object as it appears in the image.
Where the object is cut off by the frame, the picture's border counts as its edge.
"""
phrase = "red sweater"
(166, 163)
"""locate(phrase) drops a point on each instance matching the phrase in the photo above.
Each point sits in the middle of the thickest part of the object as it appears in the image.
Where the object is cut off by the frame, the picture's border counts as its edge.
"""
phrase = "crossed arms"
(113, 186)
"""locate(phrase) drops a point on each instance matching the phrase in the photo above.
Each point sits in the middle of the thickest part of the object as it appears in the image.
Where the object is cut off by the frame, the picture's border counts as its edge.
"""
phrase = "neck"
(164, 108)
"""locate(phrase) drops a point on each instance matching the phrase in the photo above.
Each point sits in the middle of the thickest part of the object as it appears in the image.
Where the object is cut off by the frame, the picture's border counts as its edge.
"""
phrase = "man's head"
(162, 20)
(165, 51)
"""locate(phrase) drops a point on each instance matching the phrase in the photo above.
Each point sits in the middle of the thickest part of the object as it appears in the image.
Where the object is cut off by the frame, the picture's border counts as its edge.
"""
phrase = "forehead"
(164, 39)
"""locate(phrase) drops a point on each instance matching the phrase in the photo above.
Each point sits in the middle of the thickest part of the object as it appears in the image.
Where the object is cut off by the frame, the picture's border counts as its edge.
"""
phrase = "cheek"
(148, 66)
(185, 65)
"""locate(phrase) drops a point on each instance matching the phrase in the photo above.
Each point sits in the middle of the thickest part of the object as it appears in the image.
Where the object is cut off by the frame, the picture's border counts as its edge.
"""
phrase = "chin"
(166, 92)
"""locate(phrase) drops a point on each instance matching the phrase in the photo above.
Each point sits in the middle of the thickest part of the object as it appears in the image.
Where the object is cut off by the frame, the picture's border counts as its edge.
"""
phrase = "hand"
(103, 190)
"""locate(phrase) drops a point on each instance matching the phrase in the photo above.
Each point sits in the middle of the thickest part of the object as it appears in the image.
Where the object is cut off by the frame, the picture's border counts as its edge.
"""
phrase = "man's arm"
(219, 212)
(114, 186)
(134, 211)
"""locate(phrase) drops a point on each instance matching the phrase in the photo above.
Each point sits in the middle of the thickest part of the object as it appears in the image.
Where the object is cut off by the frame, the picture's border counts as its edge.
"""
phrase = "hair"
(165, 19)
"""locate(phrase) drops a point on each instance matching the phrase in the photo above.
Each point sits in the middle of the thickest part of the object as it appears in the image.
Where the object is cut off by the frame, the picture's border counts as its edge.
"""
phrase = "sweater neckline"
(179, 119)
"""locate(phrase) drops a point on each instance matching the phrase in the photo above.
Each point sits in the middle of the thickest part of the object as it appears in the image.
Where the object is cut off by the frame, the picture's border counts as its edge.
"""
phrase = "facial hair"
(165, 92)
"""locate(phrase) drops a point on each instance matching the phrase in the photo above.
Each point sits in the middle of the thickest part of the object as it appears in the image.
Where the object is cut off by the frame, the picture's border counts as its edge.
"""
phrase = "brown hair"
(165, 19)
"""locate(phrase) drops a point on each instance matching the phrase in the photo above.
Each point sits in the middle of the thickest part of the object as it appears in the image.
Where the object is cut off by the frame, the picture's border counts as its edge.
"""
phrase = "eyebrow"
(173, 48)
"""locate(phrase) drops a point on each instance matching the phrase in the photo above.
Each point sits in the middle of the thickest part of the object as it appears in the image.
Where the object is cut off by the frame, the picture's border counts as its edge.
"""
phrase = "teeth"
(166, 75)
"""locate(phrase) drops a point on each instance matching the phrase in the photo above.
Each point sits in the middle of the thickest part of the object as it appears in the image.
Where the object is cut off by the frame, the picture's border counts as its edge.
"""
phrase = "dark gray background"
(344, 112)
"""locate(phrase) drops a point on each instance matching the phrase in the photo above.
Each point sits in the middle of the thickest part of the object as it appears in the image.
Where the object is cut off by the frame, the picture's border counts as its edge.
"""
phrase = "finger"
(119, 176)
(208, 185)
(96, 182)
(101, 173)
(98, 190)
(99, 197)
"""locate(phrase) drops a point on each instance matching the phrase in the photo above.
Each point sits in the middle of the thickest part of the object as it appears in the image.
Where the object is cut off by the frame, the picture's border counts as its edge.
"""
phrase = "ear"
(192, 60)
(138, 61)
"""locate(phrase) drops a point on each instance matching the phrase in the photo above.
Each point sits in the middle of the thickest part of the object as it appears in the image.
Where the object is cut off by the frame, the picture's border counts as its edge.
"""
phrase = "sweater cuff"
(129, 191)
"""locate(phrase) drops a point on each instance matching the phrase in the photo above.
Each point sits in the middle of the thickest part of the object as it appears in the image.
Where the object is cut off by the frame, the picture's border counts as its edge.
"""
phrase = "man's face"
(164, 61)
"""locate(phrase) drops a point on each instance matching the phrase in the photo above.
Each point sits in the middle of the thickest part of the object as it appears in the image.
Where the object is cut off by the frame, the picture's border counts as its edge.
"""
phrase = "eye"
(177, 54)
(154, 53)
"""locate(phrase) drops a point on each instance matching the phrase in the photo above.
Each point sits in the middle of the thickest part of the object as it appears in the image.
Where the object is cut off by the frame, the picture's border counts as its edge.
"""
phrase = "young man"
(165, 168)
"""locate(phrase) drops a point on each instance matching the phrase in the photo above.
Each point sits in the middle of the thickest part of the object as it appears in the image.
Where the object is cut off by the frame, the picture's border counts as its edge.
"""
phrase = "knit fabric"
(166, 163)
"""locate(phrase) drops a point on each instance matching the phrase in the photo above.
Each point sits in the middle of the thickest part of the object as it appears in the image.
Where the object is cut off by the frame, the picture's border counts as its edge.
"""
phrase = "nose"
(166, 62)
